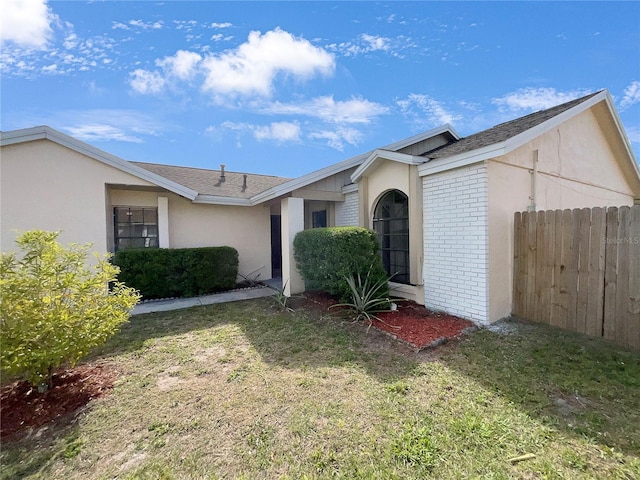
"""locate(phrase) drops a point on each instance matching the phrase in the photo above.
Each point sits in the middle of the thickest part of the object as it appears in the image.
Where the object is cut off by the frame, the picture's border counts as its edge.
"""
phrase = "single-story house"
(442, 205)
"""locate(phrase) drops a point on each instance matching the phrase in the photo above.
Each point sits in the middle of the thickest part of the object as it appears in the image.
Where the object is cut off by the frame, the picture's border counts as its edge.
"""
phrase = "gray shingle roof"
(207, 182)
(503, 131)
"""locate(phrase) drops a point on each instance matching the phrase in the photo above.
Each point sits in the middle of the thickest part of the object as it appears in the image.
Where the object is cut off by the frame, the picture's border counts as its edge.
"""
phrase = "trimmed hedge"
(178, 272)
(325, 256)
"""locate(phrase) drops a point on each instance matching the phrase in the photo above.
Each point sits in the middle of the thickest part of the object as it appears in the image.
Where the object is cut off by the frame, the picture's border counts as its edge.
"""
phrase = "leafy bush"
(178, 272)
(326, 257)
(55, 306)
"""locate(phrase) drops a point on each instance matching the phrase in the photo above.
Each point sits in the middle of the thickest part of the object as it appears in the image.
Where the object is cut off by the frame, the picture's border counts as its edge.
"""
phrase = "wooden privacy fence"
(580, 270)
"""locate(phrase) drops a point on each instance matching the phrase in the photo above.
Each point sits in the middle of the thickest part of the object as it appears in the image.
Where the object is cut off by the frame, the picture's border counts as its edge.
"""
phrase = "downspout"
(534, 174)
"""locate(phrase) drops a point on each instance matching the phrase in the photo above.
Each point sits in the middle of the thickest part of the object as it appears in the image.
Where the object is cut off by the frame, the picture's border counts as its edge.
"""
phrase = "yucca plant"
(367, 297)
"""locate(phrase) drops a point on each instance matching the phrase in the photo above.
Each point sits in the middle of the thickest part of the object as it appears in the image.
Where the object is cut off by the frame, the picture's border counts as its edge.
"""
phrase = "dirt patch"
(411, 323)
(22, 408)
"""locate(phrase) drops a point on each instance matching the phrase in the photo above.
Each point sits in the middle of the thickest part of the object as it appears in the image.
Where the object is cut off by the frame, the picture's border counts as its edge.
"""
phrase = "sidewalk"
(231, 296)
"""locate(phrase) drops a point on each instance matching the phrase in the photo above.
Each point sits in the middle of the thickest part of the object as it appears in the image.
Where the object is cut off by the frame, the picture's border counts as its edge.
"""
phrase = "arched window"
(391, 223)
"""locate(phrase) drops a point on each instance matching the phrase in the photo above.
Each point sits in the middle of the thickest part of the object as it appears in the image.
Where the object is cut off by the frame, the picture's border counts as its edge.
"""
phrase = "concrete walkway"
(230, 296)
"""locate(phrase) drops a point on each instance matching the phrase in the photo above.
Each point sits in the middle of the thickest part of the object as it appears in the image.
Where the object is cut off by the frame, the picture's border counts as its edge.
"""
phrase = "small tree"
(55, 306)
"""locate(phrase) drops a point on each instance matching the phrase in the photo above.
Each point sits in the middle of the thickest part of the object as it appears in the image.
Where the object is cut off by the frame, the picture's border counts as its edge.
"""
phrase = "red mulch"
(22, 407)
(414, 324)
(418, 326)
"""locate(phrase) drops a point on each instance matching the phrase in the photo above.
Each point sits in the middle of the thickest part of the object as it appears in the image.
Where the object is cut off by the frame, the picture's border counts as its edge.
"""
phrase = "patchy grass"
(241, 390)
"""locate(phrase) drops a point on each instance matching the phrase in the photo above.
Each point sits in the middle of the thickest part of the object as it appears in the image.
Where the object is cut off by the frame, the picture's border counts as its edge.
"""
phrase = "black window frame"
(391, 224)
(140, 230)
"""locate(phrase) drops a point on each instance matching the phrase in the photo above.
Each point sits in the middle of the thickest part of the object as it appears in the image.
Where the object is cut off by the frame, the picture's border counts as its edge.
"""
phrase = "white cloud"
(533, 99)
(221, 25)
(101, 132)
(326, 108)
(375, 42)
(278, 131)
(251, 68)
(182, 65)
(634, 134)
(97, 125)
(26, 23)
(145, 82)
(337, 138)
(631, 95)
(425, 110)
(147, 25)
(364, 44)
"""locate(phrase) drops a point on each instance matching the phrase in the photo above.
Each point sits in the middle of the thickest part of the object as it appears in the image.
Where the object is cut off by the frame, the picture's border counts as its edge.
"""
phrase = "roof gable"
(508, 136)
(47, 133)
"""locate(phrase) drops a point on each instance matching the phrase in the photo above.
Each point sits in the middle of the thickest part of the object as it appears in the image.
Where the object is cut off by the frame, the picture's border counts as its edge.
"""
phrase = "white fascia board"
(48, 133)
(351, 188)
(456, 161)
(382, 154)
(446, 128)
(323, 173)
(623, 134)
(534, 132)
(502, 148)
(220, 200)
(308, 179)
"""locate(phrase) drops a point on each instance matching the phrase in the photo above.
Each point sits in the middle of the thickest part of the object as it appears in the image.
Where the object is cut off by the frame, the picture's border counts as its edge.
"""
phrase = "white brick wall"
(347, 211)
(456, 228)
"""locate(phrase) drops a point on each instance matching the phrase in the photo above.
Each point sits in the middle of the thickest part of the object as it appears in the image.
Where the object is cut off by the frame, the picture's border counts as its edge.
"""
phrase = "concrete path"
(231, 296)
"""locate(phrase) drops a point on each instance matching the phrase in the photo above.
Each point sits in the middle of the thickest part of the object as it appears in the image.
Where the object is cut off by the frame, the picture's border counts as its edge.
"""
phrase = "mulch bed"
(23, 408)
(411, 323)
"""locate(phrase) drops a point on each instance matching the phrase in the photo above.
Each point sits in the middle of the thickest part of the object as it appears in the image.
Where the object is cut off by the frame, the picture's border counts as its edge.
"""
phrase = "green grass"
(242, 390)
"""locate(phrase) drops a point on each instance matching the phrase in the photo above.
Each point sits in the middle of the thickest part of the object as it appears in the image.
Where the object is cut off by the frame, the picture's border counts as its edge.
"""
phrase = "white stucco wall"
(50, 187)
(456, 259)
(347, 211)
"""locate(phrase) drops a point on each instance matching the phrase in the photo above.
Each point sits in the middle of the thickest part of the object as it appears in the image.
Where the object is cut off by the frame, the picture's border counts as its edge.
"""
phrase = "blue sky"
(287, 88)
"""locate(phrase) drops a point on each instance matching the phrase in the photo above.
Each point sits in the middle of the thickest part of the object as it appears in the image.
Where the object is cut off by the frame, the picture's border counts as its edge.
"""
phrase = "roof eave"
(48, 133)
(382, 154)
(220, 200)
(318, 175)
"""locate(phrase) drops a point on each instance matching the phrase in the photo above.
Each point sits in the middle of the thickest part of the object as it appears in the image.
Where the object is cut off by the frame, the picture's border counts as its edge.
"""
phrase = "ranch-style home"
(442, 205)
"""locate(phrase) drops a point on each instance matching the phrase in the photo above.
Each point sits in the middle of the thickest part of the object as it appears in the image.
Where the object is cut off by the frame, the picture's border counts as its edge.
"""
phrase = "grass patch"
(241, 390)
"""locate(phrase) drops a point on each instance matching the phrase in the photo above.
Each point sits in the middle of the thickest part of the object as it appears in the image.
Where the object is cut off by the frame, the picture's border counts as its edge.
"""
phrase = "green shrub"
(55, 306)
(326, 257)
(178, 272)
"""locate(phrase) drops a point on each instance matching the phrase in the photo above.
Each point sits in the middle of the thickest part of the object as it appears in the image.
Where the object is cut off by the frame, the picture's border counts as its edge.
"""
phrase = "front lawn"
(242, 390)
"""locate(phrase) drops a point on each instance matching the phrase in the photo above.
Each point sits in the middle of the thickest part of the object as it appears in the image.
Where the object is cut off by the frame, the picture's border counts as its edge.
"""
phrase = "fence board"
(580, 269)
(622, 286)
(572, 277)
(531, 264)
(610, 274)
(518, 277)
(634, 278)
(565, 260)
(595, 297)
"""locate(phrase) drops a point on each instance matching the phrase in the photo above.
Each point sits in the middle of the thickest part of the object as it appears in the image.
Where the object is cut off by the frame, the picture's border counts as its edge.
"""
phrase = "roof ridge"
(204, 169)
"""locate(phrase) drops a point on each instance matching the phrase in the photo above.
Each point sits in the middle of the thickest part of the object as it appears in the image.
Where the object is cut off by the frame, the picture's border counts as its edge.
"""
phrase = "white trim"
(381, 154)
(307, 179)
(48, 133)
(220, 200)
(163, 222)
(323, 173)
(351, 188)
(512, 143)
